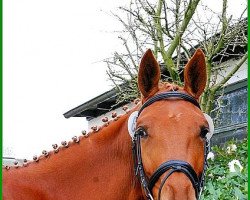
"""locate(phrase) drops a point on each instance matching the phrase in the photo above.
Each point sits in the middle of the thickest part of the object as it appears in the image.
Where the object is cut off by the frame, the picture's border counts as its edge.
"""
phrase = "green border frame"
(248, 96)
(1, 106)
(248, 100)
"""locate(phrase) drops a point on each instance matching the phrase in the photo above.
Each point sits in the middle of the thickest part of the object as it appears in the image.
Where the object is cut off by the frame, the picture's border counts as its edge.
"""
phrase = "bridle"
(172, 165)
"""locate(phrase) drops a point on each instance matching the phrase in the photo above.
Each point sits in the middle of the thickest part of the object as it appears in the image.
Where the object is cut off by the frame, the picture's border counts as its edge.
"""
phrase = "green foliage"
(222, 184)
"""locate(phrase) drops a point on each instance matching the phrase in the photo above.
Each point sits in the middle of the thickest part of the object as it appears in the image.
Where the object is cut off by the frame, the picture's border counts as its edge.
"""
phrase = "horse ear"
(149, 74)
(195, 75)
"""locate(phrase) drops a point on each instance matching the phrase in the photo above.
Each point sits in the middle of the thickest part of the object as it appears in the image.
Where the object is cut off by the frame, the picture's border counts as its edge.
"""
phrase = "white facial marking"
(176, 117)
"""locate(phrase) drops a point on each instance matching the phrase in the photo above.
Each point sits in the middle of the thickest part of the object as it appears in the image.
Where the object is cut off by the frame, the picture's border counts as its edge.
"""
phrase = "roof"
(9, 161)
(96, 106)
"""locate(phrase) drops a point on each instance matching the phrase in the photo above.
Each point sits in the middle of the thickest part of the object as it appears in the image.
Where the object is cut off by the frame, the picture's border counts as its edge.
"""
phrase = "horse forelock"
(167, 87)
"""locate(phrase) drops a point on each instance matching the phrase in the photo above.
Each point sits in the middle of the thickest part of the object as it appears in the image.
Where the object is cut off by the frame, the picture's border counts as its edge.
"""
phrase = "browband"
(168, 95)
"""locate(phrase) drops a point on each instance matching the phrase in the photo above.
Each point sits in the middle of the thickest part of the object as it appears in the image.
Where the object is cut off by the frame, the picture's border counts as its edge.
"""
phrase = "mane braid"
(94, 129)
(75, 140)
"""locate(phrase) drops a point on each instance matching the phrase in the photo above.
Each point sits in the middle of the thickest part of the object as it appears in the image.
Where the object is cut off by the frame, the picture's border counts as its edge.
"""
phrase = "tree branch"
(220, 43)
(129, 54)
(187, 17)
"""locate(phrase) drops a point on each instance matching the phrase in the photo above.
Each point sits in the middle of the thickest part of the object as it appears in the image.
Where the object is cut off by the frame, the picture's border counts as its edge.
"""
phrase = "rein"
(171, 165)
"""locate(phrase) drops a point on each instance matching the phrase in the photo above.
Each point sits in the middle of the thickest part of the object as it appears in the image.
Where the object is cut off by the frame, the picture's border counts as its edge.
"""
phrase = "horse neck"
(110, 157)
(110, 146)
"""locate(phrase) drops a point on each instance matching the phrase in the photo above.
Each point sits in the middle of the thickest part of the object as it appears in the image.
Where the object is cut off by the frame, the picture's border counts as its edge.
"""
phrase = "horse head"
(170, 132)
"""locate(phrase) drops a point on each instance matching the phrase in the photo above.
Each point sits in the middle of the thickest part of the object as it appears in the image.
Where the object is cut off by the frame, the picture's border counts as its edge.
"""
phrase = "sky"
(52, 53)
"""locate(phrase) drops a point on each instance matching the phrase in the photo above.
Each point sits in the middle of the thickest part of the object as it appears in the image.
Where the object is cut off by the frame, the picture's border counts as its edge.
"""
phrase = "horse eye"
(204, 132)
(142, 132)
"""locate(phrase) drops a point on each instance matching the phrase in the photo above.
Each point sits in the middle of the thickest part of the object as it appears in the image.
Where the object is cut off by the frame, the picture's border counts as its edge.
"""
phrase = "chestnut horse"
(165, 158)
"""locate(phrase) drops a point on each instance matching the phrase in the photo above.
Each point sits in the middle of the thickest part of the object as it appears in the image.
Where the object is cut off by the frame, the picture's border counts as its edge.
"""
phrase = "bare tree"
(173, 30)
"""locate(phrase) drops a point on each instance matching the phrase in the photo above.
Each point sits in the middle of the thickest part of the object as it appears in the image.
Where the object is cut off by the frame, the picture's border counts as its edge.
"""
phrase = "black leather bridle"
(172, 165)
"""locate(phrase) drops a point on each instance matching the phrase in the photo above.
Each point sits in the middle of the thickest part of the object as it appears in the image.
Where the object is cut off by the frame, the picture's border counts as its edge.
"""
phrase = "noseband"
(172, 165)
